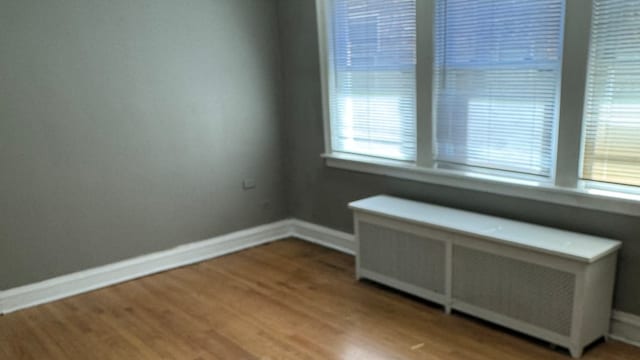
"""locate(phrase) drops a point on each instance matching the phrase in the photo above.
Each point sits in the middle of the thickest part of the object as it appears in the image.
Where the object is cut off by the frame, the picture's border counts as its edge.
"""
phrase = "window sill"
(595, 199)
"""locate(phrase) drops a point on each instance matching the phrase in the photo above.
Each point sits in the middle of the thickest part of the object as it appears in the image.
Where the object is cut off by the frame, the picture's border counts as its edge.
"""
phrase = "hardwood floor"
(285, 300)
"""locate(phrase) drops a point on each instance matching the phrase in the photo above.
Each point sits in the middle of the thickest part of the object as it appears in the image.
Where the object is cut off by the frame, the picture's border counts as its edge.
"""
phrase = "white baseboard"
(102, 276)
(79, 282)
(324, 236)
(625, 327)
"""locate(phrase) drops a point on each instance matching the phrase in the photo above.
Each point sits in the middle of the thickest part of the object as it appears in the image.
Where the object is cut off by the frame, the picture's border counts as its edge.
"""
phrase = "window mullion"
(574, 70)
(324, 35)
(424, 82)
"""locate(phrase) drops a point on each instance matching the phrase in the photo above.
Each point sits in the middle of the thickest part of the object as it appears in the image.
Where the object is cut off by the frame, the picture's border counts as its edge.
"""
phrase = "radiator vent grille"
(406, 257)
(529, 292)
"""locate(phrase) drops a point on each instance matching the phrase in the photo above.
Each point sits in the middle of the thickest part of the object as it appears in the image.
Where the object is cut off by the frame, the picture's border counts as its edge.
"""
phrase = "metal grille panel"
(524, 291)
(403, 256)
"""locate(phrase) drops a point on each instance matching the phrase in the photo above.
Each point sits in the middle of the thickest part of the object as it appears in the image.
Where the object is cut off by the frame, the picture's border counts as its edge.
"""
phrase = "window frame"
(563, 187)
(330, 88)
(611, 187)
(557, 67)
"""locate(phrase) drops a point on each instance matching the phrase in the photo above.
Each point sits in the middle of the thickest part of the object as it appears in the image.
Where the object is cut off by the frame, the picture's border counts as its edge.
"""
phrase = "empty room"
(320, 179)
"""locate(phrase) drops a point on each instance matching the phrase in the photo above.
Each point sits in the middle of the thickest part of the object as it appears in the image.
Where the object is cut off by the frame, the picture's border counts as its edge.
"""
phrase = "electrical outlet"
(248, 184)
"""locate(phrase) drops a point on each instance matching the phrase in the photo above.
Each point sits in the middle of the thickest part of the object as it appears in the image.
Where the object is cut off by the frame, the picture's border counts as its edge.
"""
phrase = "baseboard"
(95, 278)
(79, 282)
(324, 236)
(625, 327)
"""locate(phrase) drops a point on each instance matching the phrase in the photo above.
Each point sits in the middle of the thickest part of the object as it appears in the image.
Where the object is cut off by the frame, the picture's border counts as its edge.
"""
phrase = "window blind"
(496, 85)
(372, 87)
(611, 142)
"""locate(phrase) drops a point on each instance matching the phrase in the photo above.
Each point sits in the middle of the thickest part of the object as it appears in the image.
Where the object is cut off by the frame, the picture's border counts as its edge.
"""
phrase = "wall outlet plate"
(248, 184)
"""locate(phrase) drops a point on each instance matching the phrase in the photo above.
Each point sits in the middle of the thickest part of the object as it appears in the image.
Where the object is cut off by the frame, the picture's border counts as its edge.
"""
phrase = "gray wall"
(320, 194)
(127, 126)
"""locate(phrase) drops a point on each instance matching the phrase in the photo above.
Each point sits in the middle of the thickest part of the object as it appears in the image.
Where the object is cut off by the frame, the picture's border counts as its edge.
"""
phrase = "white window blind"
(611, 142)
(372, 86)
(496, 85)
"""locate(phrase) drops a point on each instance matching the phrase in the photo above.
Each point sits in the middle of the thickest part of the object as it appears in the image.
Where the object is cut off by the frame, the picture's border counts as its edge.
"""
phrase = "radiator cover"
(548, 283)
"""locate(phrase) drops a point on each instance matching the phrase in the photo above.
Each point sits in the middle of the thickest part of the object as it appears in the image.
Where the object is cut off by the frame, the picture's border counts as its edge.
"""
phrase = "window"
(372, 82)
(497, 77)
(611, 140)
(487, 95)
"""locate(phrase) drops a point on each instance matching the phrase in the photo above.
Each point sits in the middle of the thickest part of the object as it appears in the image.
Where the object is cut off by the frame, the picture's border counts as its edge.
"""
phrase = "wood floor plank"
(285, 300)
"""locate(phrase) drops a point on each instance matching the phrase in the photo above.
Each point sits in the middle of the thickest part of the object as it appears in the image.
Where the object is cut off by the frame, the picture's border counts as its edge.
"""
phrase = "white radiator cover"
(552, 284)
